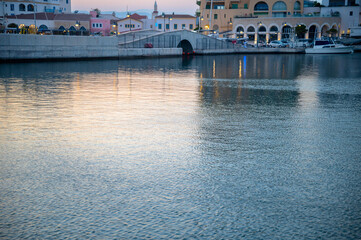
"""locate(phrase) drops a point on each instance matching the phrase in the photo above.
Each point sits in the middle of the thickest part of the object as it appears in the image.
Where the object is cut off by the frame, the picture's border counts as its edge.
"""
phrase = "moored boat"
(328, 47)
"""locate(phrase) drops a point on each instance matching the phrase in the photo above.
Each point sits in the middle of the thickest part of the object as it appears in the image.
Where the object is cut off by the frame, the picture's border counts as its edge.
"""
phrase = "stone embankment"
(15, 47)
(34, 47)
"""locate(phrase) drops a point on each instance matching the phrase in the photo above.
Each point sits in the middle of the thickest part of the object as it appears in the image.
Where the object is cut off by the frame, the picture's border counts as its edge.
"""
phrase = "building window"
(22, 8)
(175, 26)
(351, 13)
(297, 6)
(234, 6)
(159, 26)
(261, 6)
(30, 8)
(183, 26)
(207, 15)
(191, 26)
(12, 7)
(225, 15)
(97, 25)
(215, 16)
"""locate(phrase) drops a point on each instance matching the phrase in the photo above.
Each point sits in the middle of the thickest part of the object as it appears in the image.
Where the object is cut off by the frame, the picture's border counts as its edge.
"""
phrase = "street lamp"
(34, 15)
(170, 19)
(199, 23)
(115, 31)
(259, 25)
(77, 25)
(130, 21)
(163, 15)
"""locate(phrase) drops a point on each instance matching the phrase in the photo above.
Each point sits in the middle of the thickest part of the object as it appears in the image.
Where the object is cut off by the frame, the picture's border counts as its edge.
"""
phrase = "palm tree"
(300, 31)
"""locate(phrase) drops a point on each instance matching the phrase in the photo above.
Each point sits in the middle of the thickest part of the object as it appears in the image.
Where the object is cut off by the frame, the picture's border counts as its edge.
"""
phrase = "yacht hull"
(336, 50)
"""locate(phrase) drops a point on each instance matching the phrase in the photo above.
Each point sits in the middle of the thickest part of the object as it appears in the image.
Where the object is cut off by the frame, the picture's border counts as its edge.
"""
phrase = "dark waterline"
(206, 147)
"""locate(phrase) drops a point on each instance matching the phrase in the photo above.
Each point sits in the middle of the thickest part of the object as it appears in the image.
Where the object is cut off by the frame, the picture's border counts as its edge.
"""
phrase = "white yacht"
(328, 47)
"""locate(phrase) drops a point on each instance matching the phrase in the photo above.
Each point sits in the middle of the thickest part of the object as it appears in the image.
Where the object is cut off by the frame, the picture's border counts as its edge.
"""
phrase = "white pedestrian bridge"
(190, 42)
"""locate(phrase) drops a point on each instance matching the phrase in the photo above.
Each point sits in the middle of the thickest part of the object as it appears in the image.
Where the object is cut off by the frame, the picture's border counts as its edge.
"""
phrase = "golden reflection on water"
(214, 68)
(94, 106)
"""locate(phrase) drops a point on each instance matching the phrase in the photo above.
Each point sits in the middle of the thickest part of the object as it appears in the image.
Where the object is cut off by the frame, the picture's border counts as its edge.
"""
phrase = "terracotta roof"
(137, 16)
(73, 16)
(129, 18)
(175, 16)
(109, 16)
(39, 16)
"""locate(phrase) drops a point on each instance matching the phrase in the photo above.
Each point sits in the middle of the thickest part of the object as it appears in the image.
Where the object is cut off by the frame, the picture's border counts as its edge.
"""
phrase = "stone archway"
(186, 46)
(286, 32)
(324, 30)
(312, 32)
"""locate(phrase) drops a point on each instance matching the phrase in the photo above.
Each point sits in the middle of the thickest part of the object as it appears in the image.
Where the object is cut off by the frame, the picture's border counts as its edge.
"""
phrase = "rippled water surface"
(216, 147)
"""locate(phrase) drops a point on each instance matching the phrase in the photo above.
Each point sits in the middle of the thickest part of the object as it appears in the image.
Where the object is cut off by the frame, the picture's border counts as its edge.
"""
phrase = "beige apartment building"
(16, 7)
(266, 19)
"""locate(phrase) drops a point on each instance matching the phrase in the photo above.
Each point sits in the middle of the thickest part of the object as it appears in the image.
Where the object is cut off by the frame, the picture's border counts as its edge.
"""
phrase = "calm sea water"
(214, 147)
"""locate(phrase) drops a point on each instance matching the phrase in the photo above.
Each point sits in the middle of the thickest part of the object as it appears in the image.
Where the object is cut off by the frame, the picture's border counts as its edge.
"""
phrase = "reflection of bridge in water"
(190, 42)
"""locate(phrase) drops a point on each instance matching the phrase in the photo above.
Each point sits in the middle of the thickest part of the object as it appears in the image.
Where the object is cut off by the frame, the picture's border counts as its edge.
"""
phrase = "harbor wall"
(251, 50)
(16, 46)
(36, 47)
(149, 52)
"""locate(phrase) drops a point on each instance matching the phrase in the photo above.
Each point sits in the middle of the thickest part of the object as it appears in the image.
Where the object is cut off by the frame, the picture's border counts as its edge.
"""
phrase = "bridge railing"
(212, 43)
(171, 41)
(157, 41)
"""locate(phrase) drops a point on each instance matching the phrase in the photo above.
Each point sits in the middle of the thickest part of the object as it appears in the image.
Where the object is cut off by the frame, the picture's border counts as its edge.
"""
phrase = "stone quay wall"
(36, 47)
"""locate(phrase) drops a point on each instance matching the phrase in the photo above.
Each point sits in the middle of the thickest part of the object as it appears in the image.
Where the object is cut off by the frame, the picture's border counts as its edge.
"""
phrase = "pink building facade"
(102, 24)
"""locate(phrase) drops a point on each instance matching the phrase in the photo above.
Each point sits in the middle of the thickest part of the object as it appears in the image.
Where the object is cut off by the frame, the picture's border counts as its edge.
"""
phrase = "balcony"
(244, 16)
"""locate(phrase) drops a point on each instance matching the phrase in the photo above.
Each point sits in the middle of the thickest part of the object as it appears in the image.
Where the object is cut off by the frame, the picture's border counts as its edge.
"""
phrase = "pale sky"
(168, 6)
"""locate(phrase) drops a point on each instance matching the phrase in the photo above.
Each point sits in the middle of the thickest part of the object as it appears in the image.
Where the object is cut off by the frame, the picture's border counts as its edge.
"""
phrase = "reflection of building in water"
(250, 66)
(231, 92)
(223, 77)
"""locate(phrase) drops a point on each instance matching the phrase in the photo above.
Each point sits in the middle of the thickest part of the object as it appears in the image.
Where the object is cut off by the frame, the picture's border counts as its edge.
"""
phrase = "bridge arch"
(186, 46)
